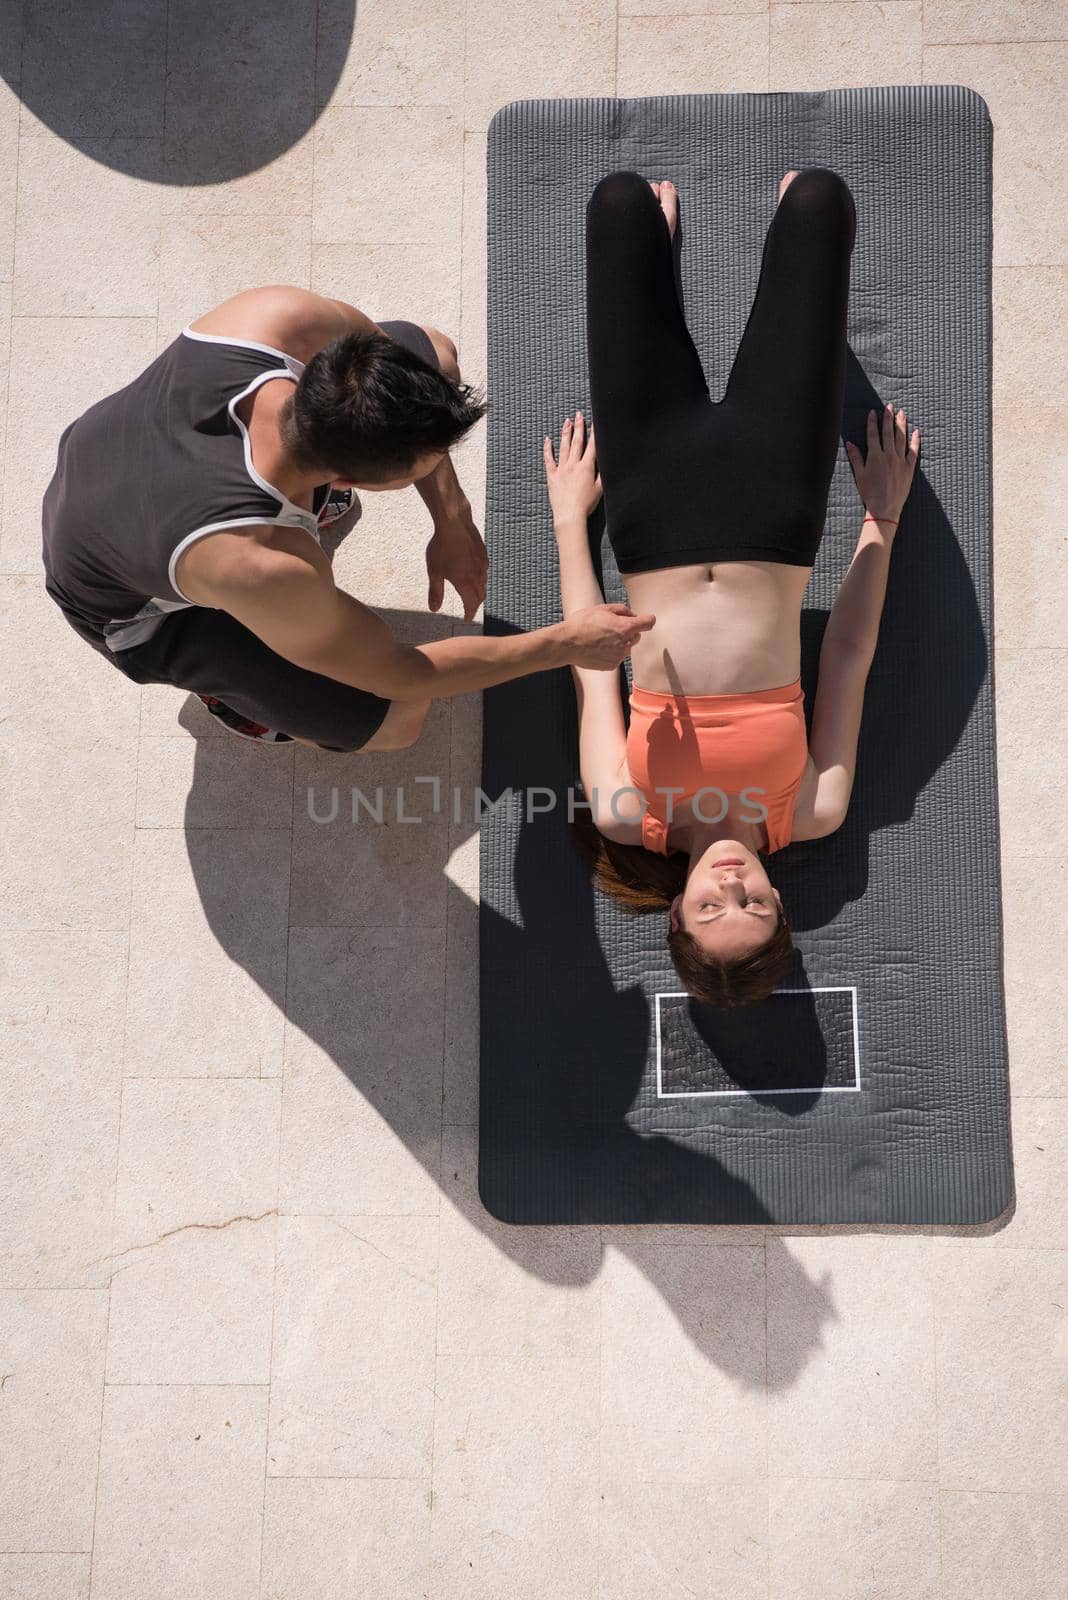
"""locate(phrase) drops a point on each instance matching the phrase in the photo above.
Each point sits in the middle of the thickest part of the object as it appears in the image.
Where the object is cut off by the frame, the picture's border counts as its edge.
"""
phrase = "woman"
(715, 511)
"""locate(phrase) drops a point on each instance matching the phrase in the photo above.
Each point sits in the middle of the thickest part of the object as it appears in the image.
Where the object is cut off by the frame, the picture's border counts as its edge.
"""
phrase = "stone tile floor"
(257, 1336)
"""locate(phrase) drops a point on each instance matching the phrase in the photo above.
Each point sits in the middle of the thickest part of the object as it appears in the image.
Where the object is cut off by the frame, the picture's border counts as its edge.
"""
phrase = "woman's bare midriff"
(728, 627)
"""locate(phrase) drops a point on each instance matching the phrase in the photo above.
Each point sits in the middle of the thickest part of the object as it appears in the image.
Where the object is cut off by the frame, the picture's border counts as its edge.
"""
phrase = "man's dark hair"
(367, 408)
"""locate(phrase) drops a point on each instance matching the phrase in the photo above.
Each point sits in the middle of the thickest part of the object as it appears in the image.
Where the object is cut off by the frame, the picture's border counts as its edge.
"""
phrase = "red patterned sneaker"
(234, 722)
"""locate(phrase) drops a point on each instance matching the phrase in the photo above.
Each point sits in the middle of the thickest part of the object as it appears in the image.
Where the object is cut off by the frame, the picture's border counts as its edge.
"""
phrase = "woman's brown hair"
(640, 882)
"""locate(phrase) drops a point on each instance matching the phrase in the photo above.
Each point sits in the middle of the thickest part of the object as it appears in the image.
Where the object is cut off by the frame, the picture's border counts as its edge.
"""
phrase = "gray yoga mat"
(873, 1087)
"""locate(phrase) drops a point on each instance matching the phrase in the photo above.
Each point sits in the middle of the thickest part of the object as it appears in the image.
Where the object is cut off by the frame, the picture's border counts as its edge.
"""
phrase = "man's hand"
(600, 636)
(457, 554)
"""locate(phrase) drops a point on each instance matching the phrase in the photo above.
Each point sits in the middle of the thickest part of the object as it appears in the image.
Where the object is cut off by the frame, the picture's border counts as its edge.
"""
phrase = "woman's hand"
(574, 482)
(884, 475)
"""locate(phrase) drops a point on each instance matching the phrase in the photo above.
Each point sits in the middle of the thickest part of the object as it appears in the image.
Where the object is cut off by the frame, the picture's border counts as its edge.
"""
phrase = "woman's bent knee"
(616, 190)
(821, 188)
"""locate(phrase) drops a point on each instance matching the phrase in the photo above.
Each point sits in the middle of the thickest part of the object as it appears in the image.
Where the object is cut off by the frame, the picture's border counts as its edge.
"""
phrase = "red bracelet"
(892, 520)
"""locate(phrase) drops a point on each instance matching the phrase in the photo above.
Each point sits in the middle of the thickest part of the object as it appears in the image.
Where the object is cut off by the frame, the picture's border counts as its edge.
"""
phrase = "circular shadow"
(181, 92)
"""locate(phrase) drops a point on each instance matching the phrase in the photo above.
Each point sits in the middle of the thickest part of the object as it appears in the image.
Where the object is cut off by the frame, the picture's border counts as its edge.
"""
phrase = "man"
(182, 525)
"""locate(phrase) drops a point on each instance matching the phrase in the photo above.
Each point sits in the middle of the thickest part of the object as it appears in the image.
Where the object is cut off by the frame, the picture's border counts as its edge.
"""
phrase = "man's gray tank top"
(145, 472)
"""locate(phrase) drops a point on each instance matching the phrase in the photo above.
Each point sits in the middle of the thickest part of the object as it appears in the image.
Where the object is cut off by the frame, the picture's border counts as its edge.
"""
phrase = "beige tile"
(1039, 1220)
(324, 1538)
(510, 1291)
(1023, 86)
(988, 21)
(683, 1362)
(850, 1402)
(52, 1370)
(40, 1577)
(9, 166)
(1001, 1394)
(361, 1114)
(1035, 987)
(57, 1179)
(1030, 475)
(385, 568)
(63, 995)
(462, 1004)
(515, 1477)
(1003, 1546)
(5, 369)
(67, 878)
(383, 869)
(48, 787)
(214, 783)
(204, 259)
(473, 332)
(388, 176)
(117, 217)
(240, 102)
(678, 1540)
(690, 8)
(170, 713)
(386, 281)
(52, 678)
(205, 177)
(352, 1390)
(195, 1308)
(517, 52)
(196, 1156)
(843, 1540)
(1031, 692)
(401, 53)
(208, 953)
(181, 1493)
(97, 356)
(96, 72)
(711, 54)
(845, 45)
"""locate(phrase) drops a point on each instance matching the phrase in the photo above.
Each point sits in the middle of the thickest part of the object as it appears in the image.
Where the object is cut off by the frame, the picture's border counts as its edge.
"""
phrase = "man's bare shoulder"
(288, 318)
(254, 559)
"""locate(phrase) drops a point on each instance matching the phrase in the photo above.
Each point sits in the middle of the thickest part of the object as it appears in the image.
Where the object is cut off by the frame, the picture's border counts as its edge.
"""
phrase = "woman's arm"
(884, 479)
(574, 490)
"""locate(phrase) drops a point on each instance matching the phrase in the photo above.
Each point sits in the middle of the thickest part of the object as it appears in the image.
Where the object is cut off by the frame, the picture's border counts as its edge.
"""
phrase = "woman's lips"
(729, 861)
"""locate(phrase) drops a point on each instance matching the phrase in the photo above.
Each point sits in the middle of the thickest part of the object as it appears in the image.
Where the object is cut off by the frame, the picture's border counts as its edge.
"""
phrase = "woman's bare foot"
(787, 180)
(668, 196)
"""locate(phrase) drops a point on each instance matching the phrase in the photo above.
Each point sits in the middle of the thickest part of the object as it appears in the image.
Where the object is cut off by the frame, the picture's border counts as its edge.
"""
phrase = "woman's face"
(728, 904)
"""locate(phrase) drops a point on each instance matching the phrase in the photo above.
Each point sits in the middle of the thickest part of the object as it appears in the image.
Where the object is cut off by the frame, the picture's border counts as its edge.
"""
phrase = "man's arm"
(280, 585)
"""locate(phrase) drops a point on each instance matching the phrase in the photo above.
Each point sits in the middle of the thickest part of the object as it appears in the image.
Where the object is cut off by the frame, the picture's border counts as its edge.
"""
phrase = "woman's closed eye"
(751, 900)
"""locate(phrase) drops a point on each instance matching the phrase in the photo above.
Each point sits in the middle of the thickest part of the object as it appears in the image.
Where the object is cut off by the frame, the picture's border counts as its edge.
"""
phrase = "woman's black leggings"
(746, 478)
